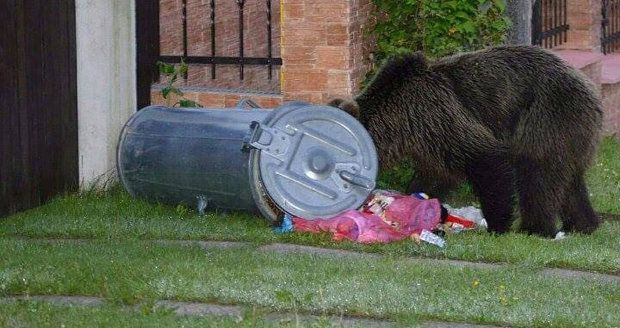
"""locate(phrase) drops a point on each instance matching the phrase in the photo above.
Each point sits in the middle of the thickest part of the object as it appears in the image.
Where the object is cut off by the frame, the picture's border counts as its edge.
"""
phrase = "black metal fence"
(610, 26)
(549, 23)
(269, 61)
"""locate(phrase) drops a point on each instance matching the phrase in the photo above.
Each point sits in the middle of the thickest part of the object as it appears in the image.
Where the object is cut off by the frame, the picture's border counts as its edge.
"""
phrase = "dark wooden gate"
(147, 38)
(38, 102)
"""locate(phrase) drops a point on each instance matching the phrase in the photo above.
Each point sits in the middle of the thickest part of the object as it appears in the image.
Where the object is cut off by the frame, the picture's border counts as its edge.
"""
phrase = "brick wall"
(324, 49)
(361, 60)
(593, 72)
(611, 101)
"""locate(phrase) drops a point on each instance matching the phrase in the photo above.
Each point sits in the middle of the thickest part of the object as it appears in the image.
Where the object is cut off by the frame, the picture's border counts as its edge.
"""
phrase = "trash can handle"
(247, 103)
(357, 180)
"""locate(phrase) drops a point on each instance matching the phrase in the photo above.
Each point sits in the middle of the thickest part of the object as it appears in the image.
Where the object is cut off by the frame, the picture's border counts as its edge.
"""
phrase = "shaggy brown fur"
(509, 119)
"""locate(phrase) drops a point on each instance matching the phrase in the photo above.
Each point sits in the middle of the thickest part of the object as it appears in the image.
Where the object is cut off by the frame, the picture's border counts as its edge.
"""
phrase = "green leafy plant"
(438, 28)
(172, 74)
(397, 177)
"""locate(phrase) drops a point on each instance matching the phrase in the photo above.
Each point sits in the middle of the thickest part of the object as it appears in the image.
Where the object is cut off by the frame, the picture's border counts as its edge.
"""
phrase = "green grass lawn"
(122, 262)
(389, 287)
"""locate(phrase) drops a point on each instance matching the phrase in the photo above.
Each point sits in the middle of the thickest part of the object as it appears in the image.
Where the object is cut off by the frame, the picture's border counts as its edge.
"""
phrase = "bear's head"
(384, 89)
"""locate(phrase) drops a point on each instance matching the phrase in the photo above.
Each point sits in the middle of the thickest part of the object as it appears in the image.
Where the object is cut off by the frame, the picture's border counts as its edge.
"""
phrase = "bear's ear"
(407, 64)
(404, 65)
(349, 106)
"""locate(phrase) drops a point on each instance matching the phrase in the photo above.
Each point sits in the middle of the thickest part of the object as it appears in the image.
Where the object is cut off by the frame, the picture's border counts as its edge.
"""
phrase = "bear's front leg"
(491, 176)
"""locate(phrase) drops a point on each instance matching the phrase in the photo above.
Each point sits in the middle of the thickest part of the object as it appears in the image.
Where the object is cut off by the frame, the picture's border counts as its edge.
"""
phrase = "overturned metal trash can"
(309, 161)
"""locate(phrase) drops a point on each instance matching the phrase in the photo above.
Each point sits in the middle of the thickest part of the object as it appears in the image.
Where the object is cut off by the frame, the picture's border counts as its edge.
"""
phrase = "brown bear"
(511, 120)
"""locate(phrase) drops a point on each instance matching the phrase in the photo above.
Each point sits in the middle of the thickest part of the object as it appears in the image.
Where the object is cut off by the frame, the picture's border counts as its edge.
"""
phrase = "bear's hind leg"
(577, 214)
(492, 176)
(541, 189)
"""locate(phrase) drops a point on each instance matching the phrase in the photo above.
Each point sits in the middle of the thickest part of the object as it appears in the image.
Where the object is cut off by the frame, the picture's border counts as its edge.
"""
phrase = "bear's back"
(499, 85)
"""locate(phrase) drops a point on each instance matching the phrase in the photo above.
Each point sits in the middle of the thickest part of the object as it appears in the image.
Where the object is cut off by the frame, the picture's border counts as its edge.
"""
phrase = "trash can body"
(309, 161)
(176, 155)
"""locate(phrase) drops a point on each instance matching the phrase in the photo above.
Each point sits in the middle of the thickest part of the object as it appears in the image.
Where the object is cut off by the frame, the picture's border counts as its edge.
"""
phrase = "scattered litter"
(201, 204)
(378, 204)
(420, 195)
(560, 235)
(286, 225)
(470, 213)
(388, 216)
(456, 224)
(432, 238)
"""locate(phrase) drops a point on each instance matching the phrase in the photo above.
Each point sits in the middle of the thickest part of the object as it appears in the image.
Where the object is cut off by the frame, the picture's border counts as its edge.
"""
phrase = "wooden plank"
(31, 117)
(70, 160)
(56, 100)
(23, 176)
(8, 107)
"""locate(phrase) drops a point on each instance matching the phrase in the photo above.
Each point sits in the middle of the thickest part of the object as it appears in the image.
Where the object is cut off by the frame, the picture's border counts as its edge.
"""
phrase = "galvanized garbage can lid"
(315, 161)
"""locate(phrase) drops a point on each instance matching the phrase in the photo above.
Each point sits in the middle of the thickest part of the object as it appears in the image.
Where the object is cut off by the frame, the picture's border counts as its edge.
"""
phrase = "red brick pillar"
(584, 19)
(324, 49)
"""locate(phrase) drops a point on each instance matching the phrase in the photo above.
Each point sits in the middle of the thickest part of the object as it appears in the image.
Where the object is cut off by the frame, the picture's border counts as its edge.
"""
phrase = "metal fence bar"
(555, 20)
(536, 23)
(212, 38)
(610, 26)
(241, 4)
(543, 17)
(565, 21)
(241, 60)
(604, 21)
(269, 50)
(549, 23)
(184, 17)
(615, 27)
(261, 61)
(546, 19)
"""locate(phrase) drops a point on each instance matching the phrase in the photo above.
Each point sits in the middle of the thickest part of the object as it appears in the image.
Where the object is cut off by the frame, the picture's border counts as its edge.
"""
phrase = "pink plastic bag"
(385, 217)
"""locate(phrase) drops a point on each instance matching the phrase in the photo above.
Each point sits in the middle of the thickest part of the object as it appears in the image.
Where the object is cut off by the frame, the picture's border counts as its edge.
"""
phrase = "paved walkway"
(209, 309)
(293, 248)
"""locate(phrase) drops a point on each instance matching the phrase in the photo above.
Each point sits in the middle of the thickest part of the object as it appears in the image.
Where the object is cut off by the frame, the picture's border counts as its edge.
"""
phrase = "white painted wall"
(106, 79)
